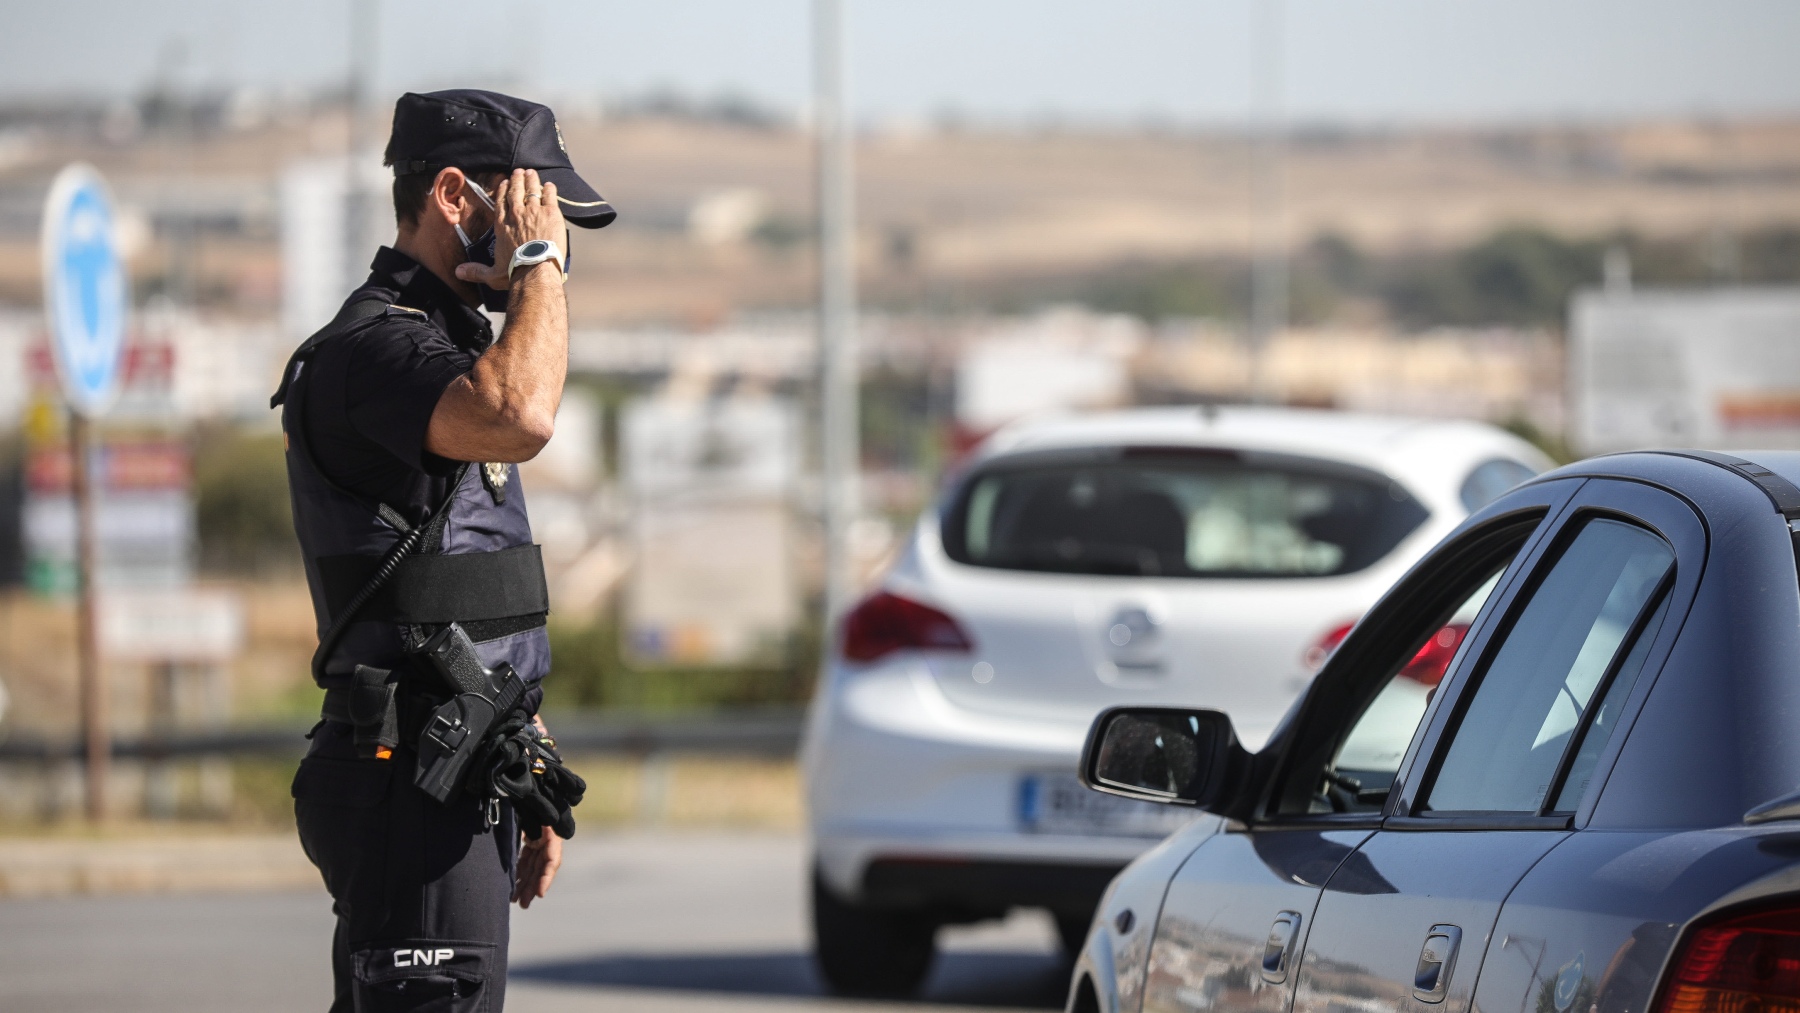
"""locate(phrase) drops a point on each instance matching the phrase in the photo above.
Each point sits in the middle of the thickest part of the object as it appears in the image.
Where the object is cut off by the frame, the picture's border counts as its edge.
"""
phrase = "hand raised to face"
(527, 209)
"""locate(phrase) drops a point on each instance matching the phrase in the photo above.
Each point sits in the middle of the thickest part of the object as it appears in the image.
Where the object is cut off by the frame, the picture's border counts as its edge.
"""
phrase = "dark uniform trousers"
(421, 889)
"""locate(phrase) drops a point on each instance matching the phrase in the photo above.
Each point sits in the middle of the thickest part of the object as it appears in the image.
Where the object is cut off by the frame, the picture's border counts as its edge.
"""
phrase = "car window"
(1363, 770)
(1548, 668)
(1606, 716)
(1490, 480)
(1169, 512)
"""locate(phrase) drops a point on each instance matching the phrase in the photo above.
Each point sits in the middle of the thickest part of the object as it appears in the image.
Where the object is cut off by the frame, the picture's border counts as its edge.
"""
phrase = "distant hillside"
(960, 218)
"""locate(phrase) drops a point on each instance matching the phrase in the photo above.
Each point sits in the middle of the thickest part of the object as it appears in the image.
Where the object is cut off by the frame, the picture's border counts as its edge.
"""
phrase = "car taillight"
(1429, 665)
(1749, 964)
(1316, 655)
(884, 622)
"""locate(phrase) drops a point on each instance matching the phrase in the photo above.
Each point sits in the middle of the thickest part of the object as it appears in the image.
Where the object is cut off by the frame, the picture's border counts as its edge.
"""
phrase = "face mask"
(481, 251)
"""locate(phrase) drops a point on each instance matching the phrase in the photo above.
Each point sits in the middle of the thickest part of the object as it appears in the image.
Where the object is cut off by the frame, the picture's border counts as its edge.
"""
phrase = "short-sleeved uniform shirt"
(394, 371)
(370, 396)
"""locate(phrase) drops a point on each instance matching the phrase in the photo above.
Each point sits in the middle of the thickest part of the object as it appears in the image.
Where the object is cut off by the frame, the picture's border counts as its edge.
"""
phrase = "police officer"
(405, 418)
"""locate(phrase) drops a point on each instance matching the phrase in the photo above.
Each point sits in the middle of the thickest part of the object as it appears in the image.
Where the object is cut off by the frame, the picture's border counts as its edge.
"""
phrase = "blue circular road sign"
(84, 288)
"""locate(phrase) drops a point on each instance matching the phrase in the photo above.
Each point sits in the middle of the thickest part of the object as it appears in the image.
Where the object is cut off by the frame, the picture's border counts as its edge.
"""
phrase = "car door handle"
(1280, 945)
(1437, 961)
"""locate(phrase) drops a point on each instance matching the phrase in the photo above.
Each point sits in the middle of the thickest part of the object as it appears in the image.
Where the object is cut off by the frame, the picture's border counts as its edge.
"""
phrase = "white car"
(1195, 556)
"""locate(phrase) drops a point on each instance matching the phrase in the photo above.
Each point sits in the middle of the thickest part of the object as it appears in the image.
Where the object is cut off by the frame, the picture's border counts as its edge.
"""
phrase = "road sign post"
(96, 745)
(84, 307)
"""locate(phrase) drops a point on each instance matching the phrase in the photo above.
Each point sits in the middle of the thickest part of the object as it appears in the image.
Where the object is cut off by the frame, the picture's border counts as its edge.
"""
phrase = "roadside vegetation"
(593, 672)
(1517, 276)
(241, 504)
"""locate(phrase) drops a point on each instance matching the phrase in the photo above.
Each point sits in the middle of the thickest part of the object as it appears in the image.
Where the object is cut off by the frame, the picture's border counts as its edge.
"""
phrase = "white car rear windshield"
(1177, 512)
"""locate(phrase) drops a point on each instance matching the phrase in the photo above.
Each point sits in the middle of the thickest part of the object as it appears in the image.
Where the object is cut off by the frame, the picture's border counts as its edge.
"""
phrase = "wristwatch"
(535, 252)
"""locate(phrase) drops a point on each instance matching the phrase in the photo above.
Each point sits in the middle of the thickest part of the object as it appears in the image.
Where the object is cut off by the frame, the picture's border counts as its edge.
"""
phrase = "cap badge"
(559, 138)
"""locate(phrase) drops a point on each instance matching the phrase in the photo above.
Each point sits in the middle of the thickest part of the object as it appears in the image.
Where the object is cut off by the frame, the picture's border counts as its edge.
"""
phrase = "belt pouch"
(374, 720)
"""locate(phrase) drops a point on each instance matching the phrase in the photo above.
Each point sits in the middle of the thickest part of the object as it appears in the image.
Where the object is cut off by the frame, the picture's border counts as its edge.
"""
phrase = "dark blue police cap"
(479, 131)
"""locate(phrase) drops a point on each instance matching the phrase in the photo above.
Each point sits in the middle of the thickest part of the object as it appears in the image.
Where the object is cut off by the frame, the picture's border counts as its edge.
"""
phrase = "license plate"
(1060, 804)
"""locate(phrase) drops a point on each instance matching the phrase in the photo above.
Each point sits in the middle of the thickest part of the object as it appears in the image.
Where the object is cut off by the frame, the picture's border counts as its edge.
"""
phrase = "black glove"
(524, 766)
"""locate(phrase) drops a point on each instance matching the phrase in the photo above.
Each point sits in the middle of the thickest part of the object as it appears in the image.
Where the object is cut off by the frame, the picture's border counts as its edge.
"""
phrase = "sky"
(1125, 61)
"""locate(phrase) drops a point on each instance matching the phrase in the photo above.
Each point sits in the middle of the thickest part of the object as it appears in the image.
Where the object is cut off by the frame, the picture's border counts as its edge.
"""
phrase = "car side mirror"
(1163, 754)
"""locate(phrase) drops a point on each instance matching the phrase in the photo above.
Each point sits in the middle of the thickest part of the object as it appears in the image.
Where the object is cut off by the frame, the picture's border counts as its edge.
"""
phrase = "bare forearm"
(504, 409)
(523, 374)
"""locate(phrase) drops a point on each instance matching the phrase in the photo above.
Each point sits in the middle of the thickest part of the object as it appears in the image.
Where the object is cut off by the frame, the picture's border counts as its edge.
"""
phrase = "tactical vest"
(475, 563)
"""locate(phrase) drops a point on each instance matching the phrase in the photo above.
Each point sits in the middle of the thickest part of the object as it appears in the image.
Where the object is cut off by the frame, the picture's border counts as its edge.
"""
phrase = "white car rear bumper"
(899, 774)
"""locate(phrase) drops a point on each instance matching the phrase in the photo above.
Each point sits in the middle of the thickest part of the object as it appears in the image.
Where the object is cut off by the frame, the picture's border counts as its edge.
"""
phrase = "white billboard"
(733, 448)
(711, 483)
(714, 584)
(1711, 369)
(185, 624)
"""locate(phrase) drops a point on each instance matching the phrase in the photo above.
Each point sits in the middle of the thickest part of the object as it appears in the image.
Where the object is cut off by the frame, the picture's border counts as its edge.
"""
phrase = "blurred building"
(1061, 359)
(334, 213)
(1494, 373)
(728, 216)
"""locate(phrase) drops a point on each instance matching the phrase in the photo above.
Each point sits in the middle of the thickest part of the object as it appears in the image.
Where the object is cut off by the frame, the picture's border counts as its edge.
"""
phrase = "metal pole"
(839, 443)
(1269, 271)
(365, 52)
(159, 774)
(93, 689)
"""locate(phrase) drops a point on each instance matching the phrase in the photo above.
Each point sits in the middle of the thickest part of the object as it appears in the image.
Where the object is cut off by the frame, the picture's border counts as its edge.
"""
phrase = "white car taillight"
(884, 622)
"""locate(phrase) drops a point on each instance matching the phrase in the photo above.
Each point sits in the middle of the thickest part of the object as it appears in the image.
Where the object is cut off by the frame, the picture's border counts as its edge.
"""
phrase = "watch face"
(535, 248)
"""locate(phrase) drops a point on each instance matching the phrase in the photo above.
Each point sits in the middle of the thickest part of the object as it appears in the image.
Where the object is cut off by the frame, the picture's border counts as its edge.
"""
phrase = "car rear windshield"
(1175, 512)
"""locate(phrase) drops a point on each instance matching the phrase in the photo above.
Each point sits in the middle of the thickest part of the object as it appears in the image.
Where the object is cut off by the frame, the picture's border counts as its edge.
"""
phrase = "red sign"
(120, 466)
(142, 361)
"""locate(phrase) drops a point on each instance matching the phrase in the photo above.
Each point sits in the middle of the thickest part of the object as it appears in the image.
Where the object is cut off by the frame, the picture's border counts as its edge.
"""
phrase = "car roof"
(1785, 463)
(1714, 736)
(1429, 456)
(1654, 465)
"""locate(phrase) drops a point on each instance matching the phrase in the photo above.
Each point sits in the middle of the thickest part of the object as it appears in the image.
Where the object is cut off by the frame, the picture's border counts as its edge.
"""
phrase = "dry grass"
(979, 207)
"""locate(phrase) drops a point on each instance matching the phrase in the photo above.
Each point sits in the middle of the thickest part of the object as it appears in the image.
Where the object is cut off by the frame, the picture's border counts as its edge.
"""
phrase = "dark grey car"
(1587, 804)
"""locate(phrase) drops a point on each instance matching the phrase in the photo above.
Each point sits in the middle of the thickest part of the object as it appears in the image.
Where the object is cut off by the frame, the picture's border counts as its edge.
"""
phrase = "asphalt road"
(666, 923)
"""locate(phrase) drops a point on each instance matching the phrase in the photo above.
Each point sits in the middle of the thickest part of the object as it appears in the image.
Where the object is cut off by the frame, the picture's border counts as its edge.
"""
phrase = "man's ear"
(449, 198)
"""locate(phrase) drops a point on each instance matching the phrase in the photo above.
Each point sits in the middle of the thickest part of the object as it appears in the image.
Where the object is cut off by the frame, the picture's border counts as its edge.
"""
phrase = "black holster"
(458, 730)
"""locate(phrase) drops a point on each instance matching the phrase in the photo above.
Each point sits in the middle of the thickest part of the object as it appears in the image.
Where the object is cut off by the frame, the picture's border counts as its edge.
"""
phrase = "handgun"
(457, 729)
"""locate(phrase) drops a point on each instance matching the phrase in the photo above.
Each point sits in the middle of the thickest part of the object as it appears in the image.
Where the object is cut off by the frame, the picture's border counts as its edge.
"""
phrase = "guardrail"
(773, 732)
